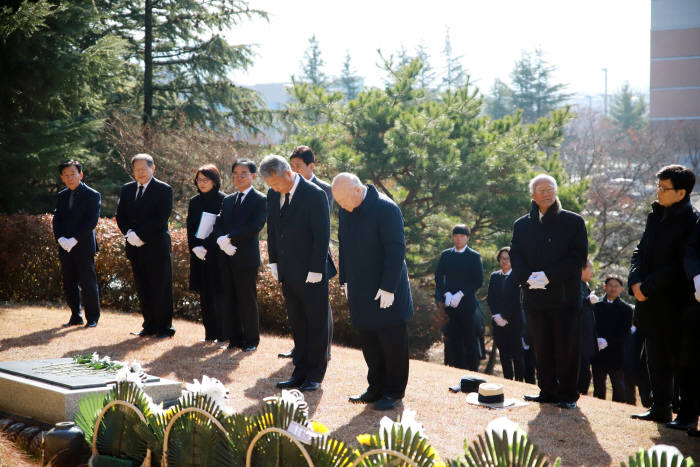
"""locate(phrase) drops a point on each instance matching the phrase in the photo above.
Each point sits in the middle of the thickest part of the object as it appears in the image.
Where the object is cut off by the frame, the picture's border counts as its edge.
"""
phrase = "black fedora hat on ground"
(467, 384)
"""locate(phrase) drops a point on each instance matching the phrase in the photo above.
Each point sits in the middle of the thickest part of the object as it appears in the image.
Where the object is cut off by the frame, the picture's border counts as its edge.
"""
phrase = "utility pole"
(605, 101)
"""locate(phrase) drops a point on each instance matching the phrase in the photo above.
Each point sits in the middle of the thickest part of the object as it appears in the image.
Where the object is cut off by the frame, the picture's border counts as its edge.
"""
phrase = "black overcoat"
(203, 202)
(589, 345)
(79, 222)
(372, 256)
(504, 299)
(612, 323)
(657, 264)
(558, 245)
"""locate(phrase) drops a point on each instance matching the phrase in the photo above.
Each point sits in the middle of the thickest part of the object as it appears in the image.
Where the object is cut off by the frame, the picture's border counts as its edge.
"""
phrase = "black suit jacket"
(332, 271)
(298, 242)
(612, 322)
(79, 222)
(504, 299)
(148, 217)
(242, 225)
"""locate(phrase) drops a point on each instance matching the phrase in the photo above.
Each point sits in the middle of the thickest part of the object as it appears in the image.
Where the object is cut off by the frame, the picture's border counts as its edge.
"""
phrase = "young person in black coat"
(613, 320)
(372, 251)
(205, 277)
(242, 216)
(142, 216)
(659, 284)
(458, 276)
(298, 234)
(74, 222)
(588, 338)
(507, 317)
(548, 251)
(303, 162)
(689, 358)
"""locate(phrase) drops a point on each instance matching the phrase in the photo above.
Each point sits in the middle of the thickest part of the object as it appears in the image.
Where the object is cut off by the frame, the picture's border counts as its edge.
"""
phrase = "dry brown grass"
(597, 433)
(11, 456)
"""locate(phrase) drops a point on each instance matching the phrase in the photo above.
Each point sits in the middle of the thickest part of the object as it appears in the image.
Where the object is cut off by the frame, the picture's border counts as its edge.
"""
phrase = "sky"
(580, 38)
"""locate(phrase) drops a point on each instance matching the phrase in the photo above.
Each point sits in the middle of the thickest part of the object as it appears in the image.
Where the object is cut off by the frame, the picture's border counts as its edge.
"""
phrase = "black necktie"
(71, 198)
(239, 200)
(139, 194)
(285, 206)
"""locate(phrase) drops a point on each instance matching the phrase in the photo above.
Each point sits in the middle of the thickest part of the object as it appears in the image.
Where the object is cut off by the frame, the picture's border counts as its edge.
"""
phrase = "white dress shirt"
(145, 186)
(291, 192)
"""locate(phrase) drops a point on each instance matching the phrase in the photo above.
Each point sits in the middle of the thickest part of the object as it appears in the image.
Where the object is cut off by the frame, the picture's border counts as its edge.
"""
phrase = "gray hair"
(143, 157)
(542, 178)
(350, 178)
(274, 165)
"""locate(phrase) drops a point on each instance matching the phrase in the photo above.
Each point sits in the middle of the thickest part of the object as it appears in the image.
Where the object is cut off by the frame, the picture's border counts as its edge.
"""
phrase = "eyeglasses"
(203, 180)
(664, 189)
(545, 191)
(244, 175)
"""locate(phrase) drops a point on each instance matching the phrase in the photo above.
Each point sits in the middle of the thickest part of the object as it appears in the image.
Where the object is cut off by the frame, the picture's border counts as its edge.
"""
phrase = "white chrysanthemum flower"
(135, 367)
(409, 422)
(501, 424)
(123, 374)
(670, 451)
(105, 359)
(95, 357)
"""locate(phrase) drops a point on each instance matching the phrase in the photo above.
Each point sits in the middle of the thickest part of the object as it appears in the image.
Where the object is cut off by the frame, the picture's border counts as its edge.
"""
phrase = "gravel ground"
(597, 433)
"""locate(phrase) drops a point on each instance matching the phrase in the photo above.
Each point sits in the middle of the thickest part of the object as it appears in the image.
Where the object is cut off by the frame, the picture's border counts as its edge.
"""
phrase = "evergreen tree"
(350, 83)
(628, 110)
(426, 75)
(63, 71)
(455, 76)
(499, 102)
(312, 65)
(532, 91)
(183, 61)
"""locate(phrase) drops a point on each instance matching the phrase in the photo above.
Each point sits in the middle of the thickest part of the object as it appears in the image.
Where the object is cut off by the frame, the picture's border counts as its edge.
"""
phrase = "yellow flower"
(439, 464)
(319, 427)
(364, 439)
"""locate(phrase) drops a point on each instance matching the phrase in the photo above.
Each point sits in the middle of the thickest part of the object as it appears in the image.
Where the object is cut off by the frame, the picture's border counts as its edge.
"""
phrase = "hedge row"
(30, 272)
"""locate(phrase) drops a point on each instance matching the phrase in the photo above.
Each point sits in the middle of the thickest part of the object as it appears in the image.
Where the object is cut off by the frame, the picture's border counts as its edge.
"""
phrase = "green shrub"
(30, 271)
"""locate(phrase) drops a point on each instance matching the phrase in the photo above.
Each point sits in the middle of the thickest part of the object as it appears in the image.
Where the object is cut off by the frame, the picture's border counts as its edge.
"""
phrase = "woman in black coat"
(204, 274)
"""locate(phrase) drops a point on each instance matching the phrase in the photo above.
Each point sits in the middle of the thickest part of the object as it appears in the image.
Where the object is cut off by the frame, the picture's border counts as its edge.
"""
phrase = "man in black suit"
(613, 320)
(303, 162)
(458, 276)
(508, 318)
(236, 231)
(372, 252)
(587, 334)
(548, 251)
(659, 284)
(298, 234)
(142, 216)
(74, 222)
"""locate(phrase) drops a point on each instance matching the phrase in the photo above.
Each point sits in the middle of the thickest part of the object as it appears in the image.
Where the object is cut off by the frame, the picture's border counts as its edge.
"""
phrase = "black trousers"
(584, 376)
(153, 277)
(78, 271)
(636, 372)
(207, 276)
(462, 347)
(308, 313)
(386, 354)
(510, 350)
(555, 335)
(240, 316)
(660, 360)
(617, 379)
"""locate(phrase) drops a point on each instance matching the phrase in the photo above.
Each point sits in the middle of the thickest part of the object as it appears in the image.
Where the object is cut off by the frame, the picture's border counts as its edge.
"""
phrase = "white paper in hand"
(206, 225)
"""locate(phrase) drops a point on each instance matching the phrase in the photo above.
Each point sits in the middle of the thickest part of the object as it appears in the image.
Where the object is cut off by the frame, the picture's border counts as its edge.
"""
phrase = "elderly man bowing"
(372, 251)
(548, 251)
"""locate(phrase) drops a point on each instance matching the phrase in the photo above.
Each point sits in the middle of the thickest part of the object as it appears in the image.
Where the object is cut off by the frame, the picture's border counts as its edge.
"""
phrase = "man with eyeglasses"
(547, 253)
(657, 281)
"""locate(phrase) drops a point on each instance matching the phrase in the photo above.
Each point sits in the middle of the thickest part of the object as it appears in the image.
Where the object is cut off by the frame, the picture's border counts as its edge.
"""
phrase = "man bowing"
(373, 271)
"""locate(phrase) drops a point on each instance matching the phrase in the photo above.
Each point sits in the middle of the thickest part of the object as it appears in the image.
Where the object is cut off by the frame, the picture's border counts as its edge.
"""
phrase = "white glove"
(602, 343)
(225, 244)
(345, 289)
(525, 346)
(456, 298)
(696, 281)
(70, 243)
(200, 252)
(593, 299)
(385, 298)
(133, 239)
(538, 280)
(62, 241)
(633, 329)
(273, 270)
(314, 277)
(499, 320)
(448, 298)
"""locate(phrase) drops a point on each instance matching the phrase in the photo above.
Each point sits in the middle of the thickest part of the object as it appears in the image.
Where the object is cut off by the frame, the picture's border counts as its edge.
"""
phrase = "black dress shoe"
(74, 322)
(143, 333)
(308, 386)
(567, 405)
(289, 383)
(386, 403)
(250, 348)
(683, 423)
(365, 398)
(289, 354)
(91, 324)
(654, 416)
(540, 398)
(163, 335)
